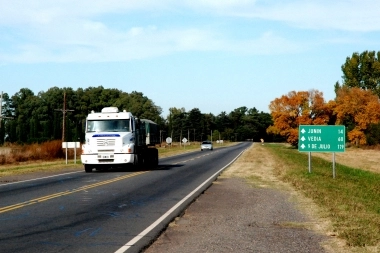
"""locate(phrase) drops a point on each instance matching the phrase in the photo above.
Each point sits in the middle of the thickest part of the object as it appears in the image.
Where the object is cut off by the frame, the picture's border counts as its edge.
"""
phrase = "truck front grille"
(106, 161)
(105, 142)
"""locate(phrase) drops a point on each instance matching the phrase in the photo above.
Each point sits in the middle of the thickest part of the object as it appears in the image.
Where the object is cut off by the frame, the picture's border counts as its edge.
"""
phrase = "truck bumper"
(107, 159)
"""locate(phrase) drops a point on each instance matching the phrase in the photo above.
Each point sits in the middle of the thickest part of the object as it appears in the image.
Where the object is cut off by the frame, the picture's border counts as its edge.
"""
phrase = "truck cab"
(117, 139)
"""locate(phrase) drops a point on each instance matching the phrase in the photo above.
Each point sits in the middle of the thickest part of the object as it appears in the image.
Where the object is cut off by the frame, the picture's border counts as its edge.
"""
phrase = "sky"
(214, 55)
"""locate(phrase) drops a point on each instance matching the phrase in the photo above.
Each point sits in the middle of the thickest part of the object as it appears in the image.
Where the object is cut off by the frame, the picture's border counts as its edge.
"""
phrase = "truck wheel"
(87, 168)
(152, 156)
(155, 158)
(137, 161)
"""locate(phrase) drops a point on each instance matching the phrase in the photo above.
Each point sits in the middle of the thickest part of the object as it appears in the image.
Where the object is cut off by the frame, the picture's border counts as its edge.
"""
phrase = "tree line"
(356, 105)
(60, 113)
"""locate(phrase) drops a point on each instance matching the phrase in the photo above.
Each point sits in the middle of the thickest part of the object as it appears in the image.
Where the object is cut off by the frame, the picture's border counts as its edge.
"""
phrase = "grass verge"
(352, 199)
(38, 166)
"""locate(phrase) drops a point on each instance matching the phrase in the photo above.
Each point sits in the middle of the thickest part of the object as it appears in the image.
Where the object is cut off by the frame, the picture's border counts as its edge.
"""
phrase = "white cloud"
(71, 30)
(348, 15)
(220, 6)
(45, 11)
(94, 42)
(345, 15)
(269, 43)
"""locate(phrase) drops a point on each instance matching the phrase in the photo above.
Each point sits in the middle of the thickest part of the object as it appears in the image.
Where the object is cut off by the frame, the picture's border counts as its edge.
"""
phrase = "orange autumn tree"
(298, 108)
(357, 108)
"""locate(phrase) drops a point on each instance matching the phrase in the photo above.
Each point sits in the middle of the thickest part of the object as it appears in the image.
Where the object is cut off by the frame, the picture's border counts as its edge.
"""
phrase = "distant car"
(206, 145)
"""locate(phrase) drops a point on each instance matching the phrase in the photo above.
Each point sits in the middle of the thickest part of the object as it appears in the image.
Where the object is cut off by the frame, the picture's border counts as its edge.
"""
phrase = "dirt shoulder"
(248, 210)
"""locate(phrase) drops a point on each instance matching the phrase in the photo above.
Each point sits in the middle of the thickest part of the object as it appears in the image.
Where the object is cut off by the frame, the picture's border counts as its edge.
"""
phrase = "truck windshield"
(117, 125)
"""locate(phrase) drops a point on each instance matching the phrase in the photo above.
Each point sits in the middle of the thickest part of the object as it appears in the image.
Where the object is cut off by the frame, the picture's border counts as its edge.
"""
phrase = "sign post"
(322, 138)
(73, 145)
(169, 141)
(184, 140)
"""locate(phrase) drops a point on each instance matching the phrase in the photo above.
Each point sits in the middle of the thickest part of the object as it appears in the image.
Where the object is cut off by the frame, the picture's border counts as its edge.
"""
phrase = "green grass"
(36, 166)
(352, 199)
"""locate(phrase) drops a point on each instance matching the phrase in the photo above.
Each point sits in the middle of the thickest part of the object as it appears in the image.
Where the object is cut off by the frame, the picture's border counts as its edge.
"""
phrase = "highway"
(105, 211)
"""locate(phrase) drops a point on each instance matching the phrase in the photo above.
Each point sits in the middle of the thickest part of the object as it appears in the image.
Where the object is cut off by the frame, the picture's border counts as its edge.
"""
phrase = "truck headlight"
(86, 151)
(126, 150)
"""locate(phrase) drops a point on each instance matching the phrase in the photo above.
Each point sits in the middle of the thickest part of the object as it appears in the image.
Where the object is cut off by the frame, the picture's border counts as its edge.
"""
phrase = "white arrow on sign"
(303, 130)
(303, 138)
(302, 146)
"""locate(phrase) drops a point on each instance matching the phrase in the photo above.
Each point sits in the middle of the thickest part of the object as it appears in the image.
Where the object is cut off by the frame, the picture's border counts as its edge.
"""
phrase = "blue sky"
(215, 55)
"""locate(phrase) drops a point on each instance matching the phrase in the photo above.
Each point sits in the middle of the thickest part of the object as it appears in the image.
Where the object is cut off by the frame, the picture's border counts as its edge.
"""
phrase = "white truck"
(118, 139)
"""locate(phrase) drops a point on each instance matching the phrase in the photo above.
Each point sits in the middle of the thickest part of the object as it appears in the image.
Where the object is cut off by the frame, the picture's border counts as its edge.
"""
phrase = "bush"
(3, 159)
(49, 150)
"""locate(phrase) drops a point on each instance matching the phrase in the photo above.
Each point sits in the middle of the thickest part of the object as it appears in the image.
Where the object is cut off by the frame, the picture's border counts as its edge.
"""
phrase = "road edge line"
(134, 240)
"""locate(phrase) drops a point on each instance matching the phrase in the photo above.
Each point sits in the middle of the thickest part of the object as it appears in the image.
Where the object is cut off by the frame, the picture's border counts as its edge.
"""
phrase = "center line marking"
(64, 193)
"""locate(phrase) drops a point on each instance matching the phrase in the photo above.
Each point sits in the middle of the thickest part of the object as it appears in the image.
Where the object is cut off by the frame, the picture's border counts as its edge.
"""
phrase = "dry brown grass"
(366, 159)
(27, 159)
(47, 151)
(257, 163)
(259, 167)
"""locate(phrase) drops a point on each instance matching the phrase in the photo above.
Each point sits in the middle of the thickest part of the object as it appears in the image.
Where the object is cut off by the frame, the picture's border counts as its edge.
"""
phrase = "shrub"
(2, 159)
(55, 149)
(49, 150)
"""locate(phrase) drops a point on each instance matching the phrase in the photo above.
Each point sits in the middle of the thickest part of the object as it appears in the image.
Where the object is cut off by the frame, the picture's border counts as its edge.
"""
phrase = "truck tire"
(155, 158)
(137, 161)
(152, 157)
(87, 168)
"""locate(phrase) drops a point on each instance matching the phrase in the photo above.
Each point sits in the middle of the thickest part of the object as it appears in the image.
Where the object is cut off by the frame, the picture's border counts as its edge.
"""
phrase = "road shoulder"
(261, 214)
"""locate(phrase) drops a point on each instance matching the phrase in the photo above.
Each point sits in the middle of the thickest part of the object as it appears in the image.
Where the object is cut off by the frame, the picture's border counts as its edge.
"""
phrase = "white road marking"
(171, 210)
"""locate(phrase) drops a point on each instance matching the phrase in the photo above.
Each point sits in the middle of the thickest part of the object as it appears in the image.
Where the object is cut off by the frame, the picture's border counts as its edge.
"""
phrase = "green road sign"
(321, 138)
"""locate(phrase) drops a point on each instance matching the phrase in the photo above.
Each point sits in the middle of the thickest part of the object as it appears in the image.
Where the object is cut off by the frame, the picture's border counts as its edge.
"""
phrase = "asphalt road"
(111, 211)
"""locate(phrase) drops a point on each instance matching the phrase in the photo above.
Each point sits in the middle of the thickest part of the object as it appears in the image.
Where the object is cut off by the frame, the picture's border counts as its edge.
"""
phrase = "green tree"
(264, 120)
(39, 117)
(207, 124)
(223, 125)
(216, 135)
(6, 114)
(176, 120)
(97, 98)
(140, 106)
(373, 134)
(50, 112)
(362, 71)
(236, 116)
(194, 119)
(24, 103)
